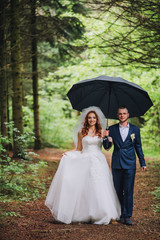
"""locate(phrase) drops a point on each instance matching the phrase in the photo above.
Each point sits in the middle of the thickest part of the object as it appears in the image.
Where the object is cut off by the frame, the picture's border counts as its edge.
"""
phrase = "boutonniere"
(132, 136)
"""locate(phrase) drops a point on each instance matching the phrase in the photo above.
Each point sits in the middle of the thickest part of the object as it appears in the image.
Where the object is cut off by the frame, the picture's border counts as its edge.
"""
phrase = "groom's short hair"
(122, 107)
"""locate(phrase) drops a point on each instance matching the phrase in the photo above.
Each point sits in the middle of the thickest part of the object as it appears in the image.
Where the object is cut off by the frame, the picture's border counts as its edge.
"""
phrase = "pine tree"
(37, 143)
(16, 69)
(3, 79)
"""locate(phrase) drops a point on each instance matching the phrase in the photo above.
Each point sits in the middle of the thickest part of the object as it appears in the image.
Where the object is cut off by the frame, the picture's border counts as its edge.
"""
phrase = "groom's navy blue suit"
(124, 164)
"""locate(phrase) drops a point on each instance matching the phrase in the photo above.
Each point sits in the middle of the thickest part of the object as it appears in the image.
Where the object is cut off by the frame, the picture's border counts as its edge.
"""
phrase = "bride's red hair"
(85, 128)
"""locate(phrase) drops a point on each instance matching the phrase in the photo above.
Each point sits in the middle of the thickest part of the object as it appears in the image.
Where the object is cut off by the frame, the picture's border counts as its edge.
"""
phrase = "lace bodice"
(91, 144)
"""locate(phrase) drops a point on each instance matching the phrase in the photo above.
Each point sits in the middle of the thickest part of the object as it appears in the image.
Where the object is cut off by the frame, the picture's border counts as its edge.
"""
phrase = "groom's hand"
(143, 168)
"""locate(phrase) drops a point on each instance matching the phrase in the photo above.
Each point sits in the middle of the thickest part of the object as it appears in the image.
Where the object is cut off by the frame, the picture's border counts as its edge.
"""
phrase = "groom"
(126, 140)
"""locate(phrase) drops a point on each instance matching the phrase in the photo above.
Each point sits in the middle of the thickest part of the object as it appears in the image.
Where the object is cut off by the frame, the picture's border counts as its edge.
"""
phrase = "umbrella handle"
(109, 99)
(107, 127)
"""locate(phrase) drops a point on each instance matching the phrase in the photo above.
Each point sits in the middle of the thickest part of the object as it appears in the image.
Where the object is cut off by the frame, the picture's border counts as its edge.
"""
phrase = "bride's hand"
(110, 139)
(105, 133)
(65, 153)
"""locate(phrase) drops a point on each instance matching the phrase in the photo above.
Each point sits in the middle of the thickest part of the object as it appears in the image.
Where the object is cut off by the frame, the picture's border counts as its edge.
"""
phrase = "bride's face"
(92, 119)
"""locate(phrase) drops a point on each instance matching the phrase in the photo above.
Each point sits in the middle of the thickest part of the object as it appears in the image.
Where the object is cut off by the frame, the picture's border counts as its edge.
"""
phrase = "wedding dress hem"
(82, 189)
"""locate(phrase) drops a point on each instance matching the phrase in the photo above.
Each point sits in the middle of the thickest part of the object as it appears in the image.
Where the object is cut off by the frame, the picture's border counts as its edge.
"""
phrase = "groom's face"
(123, 115)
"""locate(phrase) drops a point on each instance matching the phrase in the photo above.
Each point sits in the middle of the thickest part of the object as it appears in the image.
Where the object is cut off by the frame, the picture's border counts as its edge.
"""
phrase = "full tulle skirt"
(82, 190)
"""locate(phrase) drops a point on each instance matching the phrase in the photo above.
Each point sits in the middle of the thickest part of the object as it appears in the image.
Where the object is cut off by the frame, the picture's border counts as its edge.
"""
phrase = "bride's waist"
(91, 149)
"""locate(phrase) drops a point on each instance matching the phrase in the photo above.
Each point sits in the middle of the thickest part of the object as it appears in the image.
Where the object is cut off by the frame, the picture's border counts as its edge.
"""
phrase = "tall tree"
(132, 33)
(55, 27)
(3, 80)
(16, 69)
(37, 144)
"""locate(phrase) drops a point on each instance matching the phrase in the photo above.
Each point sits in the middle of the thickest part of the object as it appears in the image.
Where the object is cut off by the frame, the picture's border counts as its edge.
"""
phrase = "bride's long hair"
(98, 127)
(80, 122)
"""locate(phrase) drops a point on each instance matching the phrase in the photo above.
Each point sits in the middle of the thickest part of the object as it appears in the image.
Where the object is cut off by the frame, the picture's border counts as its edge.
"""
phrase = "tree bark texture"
(3, 80)
(16, 69)
(37, 144)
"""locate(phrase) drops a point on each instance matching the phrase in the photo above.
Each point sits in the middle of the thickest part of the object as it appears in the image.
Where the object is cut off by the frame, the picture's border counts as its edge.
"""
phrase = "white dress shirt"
(124, 131)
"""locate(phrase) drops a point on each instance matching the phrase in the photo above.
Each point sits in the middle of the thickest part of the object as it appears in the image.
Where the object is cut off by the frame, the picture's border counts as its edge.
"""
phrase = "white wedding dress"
(82, 189)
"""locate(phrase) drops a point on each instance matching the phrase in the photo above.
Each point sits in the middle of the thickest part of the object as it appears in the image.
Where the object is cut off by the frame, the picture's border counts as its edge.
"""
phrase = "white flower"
(132, 136)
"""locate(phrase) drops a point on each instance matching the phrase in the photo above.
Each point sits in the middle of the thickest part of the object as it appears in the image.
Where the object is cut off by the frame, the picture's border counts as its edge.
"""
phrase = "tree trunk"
(3, 80)
(37, 144)
(16, 70)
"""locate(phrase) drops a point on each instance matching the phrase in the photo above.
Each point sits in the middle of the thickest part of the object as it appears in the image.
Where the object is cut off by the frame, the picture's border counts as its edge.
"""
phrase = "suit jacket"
(124, 156)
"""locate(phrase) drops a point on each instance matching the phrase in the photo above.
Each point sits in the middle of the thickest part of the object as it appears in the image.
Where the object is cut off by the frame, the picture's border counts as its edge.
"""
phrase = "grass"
(151, 152)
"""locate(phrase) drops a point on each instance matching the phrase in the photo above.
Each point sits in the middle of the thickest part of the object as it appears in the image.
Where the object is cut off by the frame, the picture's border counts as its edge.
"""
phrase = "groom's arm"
(107, 143)
(138, 148)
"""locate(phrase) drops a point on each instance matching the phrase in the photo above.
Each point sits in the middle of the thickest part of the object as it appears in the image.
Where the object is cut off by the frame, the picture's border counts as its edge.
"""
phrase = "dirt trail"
(36, 222)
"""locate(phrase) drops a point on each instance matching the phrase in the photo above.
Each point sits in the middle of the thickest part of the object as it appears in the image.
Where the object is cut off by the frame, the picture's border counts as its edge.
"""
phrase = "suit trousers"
(124, 184)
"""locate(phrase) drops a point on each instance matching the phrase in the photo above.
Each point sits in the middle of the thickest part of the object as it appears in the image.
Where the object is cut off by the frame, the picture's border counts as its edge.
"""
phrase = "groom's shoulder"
(134, 127)
(114, 126)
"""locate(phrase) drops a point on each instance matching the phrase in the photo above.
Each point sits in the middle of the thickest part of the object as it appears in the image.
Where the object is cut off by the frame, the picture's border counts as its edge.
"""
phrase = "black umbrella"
(109, 93)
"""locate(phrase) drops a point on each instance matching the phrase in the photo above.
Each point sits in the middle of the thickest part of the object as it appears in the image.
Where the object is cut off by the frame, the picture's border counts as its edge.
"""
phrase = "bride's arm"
(79, 145)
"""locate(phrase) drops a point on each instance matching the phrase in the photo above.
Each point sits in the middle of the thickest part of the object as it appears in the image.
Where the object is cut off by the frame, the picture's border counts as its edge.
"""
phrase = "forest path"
(36, 221)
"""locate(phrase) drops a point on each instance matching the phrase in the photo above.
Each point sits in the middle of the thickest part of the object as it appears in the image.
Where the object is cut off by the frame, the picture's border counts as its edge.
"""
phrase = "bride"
(82, 189)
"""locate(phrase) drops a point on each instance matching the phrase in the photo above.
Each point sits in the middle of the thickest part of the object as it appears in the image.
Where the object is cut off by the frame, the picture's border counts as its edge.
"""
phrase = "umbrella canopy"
(109, 93)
